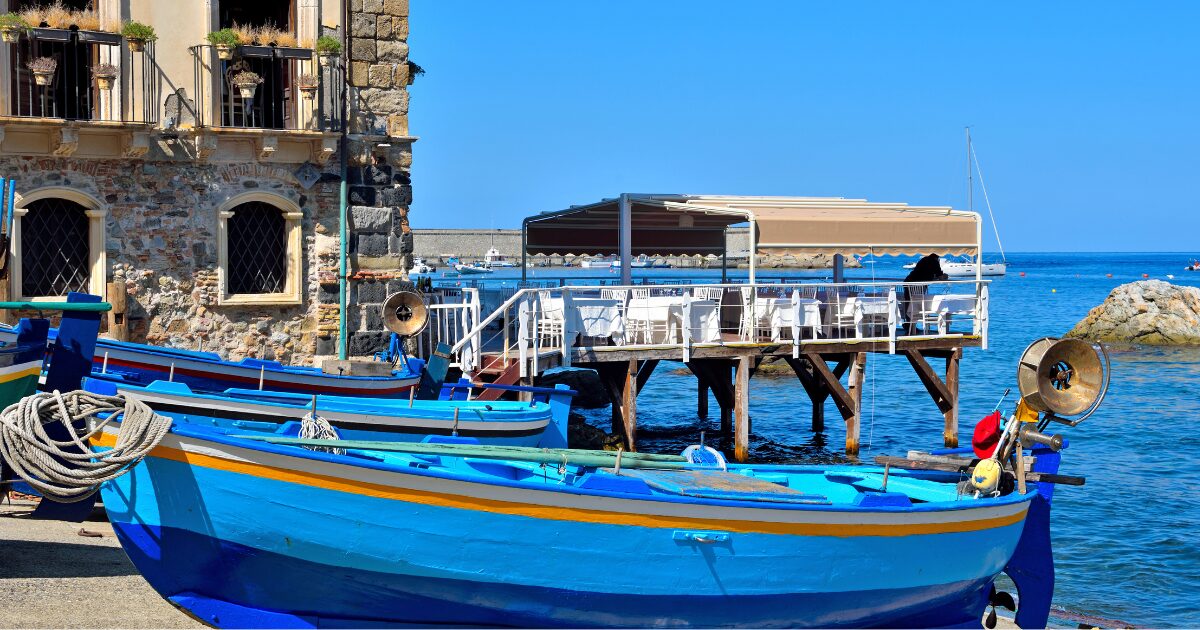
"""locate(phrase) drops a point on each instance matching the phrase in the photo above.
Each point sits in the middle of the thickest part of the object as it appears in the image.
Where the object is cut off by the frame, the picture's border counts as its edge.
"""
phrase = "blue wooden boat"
(244, 533)
(542, 422)
(206, 371)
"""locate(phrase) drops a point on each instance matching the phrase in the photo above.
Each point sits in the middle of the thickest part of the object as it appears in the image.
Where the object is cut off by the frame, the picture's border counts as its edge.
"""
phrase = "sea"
(1125, 543)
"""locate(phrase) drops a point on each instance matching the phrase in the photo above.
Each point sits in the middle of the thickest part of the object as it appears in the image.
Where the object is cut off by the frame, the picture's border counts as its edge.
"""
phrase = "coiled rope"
(68, 471)
(314, 427)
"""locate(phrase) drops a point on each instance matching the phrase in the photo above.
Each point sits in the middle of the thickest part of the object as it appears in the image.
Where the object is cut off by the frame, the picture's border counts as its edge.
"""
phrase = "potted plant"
(308, 84)
(246, 82)
(414, 71)
(328, 49)
(11, 27)
(105, 74)
(224, 40)
(251, 44)
(43, 69)
(283, 42)
(48, 24)
(138, 35)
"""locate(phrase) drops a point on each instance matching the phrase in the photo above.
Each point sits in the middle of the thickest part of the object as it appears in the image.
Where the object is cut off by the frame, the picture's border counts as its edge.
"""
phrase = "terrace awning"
(665, 225)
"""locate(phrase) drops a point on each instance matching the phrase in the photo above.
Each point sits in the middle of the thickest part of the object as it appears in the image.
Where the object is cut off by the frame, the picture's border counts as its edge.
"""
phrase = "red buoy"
(1145, 275)
(1022, 274)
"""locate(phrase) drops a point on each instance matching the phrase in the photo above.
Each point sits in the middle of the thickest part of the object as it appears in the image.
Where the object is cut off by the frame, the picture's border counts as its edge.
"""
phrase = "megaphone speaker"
(405, 313)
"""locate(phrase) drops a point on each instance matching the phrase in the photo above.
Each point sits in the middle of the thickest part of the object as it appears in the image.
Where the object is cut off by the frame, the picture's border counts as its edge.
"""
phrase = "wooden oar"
(577, 457)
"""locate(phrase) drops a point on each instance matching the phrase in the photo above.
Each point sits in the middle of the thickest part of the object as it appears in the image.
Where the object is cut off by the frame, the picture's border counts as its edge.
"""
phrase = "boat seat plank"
(716, 484)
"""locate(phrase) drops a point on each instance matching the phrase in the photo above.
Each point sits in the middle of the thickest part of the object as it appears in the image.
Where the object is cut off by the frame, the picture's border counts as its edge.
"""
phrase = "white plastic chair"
(551, 322)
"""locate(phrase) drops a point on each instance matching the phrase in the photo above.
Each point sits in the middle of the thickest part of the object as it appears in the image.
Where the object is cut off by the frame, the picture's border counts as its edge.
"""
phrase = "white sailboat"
(966, 266)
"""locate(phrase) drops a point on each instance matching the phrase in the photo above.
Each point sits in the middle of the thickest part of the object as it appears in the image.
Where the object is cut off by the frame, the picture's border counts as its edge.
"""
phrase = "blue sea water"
(1125, 543)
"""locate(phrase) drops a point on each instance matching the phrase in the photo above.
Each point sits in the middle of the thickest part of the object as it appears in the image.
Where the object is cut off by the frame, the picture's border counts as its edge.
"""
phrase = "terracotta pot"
(137, 45)
(247, 89)
(43, 78)
(327, 59)
(10, 36)
(105, 83)
(308, 91)
(224, 53)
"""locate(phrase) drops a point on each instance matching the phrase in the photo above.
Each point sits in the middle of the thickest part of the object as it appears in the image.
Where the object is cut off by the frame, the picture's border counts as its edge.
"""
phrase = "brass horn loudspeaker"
(1063, 377)
(405, 314)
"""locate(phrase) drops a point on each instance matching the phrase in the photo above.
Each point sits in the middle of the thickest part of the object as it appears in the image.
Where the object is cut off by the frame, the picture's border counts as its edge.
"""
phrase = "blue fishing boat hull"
(261, 535)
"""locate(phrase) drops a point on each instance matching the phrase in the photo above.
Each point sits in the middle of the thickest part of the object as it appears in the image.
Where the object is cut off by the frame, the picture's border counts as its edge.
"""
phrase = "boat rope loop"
(68, 471)
(314, 427)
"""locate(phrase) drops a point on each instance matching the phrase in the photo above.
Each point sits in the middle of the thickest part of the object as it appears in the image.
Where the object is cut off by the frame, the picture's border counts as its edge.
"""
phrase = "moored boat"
(425, 538)
(355, 418)
(471, 268)
(597, 263)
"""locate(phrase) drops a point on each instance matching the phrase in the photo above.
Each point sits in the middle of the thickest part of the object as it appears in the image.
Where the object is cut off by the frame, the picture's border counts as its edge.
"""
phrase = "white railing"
(452, 314)
(533, 323)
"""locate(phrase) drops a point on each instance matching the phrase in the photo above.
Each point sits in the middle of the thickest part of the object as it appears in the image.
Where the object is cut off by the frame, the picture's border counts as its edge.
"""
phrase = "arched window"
(257, 249)
(57, 245)
(54, 248)
(260, 250)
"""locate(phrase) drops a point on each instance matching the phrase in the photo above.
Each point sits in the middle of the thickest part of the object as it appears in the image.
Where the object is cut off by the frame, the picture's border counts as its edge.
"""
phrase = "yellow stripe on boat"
(559, 513)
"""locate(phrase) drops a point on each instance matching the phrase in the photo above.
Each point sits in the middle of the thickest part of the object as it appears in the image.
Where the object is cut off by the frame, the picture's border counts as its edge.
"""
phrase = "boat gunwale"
(205, 434)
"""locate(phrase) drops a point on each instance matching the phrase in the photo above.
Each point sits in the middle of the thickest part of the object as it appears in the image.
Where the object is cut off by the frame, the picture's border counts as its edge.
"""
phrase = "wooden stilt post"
(714, 374)
(118, 320)
(857, 378)
(814, 385)
(741, 405)
(701, 399)
(629, 406)
(951, 432)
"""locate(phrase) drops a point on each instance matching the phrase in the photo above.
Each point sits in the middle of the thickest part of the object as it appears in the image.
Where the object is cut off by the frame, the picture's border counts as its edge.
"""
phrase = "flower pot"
(105, 83)
(327, 59)
(224, 53)
(137, 45)
(293, 52)
(43, 78)
(10, 35)
(247, 89)
(100, 37)
(257, 51)
(308, 91)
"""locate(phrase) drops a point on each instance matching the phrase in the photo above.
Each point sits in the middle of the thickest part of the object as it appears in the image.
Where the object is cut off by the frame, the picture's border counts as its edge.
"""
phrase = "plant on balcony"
(328, 49)
(224, 40)
(247, 82)
(308, 84)
(43, 69)
(138, 34)
(58, 16)
(270, 35)
(105, 74)
(11, 27)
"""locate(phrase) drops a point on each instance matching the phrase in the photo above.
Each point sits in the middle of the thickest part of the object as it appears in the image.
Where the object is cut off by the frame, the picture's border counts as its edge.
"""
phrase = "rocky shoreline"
(1147, 312)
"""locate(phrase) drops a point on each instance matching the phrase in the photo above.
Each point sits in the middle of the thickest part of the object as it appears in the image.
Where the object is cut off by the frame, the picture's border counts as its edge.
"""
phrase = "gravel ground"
(53, 577)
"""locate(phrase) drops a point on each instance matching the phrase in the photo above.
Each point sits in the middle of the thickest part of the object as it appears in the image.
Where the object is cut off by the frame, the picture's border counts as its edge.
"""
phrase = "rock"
(1148, 312)
(586, 382)
(582, 435)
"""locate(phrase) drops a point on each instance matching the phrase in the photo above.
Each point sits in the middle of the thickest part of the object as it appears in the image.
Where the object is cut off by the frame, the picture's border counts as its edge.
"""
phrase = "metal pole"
(524, 250)
(838, 271)
(753, 247)
(625, 238)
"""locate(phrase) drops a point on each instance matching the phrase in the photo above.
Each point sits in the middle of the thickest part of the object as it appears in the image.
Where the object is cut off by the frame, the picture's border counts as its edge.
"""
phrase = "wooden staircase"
(498, 371)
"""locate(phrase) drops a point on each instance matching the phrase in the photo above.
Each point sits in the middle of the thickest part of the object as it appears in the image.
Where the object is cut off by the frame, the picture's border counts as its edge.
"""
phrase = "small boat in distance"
(965, 267)
(471, 268)
(494, 259)
(603, 262)
(419, 266)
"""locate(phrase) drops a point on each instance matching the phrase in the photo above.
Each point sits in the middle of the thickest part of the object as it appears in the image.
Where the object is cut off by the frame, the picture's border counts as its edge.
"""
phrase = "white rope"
(314, 427)
(68, 471)
(995, 231)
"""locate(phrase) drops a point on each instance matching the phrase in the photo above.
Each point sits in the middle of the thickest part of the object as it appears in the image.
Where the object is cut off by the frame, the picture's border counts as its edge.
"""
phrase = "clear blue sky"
(1085, 115)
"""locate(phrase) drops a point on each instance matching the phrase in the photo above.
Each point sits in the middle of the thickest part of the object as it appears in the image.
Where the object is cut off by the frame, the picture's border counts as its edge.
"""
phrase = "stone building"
(215, 207)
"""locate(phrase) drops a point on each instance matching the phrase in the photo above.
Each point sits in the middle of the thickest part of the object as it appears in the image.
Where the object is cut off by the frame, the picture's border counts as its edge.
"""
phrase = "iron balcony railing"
(72, 91)
(280, 101)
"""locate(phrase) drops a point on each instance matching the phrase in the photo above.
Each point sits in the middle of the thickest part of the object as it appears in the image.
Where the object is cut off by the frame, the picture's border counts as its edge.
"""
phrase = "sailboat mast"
(970, 181)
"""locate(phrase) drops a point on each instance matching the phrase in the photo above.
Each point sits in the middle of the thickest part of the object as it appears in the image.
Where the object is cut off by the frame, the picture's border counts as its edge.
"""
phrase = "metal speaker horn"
(1064, 377)
(405, 313)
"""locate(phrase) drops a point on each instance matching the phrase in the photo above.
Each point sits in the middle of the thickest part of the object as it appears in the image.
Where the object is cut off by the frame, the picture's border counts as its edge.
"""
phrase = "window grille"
(54, 248)
(257, 249)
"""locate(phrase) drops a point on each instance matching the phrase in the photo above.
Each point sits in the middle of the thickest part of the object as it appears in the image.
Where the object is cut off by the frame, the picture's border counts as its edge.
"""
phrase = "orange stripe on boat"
(557, 513)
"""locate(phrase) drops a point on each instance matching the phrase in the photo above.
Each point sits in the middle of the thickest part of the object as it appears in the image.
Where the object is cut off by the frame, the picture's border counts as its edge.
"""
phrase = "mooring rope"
(68, 471)
(314, 427)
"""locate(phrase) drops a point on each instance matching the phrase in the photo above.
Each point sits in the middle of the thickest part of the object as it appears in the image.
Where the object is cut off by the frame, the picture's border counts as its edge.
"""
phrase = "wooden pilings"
(741, 410)
(118, 320)
(944, 393)
(821, 382)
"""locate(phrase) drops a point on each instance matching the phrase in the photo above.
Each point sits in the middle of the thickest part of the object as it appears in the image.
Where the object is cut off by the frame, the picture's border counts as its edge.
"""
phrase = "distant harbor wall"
(436, 245)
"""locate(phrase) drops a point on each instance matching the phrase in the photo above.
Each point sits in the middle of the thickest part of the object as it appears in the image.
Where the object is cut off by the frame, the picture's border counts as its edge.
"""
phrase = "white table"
(804, 313)
(659, 319)
(591, 317)
(874, 310)
(938, 309)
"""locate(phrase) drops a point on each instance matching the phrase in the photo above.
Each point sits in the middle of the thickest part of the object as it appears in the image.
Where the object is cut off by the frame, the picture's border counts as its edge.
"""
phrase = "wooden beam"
(812, 386)
(950, 434)
(829, 381)
(934, 385)
(118, 318)
(715, 373)
(629, 406)
(858, 374)
(741, 389)
(613, 378)
(644, 371)
(599, 354)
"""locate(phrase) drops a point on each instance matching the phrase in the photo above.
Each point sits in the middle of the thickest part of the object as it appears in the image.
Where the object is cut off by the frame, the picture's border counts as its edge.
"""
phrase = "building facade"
(206, 184)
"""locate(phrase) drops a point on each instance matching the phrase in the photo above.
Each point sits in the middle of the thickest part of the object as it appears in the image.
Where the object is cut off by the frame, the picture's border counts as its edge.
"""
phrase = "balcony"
(292, 113)
(72, 91)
